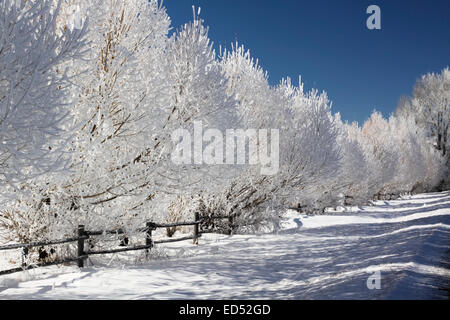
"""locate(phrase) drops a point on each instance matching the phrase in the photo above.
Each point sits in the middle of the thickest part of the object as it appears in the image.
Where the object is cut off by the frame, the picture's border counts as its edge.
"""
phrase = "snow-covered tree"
(198, 87)
(431, 103)
(429, 110)
(197, 99)
(410, 171)
(34, 87)
(310, 153)
(379, 151)
(122, 97)
(350, 185)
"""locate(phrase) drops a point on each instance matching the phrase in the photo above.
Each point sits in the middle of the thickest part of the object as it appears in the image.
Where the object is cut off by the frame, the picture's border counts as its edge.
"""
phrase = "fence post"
(148, 237)
(230, 224)
(24, 257)
(81, 234)
(196, 227)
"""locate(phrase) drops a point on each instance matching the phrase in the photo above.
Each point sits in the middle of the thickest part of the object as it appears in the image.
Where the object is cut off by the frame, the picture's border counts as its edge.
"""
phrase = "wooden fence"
(84, 235)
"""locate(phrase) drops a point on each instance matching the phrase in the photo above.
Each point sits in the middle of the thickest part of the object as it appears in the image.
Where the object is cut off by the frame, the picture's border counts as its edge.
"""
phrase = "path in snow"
(320, 257)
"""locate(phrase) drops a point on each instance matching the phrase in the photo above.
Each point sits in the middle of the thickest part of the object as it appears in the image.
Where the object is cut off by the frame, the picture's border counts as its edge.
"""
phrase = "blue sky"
(328, 44)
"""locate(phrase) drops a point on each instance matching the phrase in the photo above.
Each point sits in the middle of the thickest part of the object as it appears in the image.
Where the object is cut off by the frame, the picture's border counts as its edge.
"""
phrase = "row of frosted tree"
(92, 90)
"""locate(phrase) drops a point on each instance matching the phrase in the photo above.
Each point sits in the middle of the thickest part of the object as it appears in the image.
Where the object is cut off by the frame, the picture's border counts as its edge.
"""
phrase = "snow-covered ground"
(316, 257)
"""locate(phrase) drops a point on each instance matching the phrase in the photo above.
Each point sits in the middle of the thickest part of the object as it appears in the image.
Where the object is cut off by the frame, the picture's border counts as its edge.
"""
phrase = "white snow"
(311, 257)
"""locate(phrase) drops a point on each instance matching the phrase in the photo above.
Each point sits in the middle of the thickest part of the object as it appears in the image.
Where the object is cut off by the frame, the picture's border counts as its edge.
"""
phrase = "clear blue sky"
(328, 44)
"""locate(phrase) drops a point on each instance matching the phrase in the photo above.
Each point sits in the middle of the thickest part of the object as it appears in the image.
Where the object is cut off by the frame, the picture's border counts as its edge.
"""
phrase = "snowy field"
(316, 257)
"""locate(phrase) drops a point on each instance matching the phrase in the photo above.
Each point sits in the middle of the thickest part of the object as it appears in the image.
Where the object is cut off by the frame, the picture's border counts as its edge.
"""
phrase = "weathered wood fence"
(349, 200)
(84, 235)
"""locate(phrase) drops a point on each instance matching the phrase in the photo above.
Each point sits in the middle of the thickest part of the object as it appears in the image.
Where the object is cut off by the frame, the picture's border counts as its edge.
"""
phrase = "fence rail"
(84, 235)
(40, 244)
